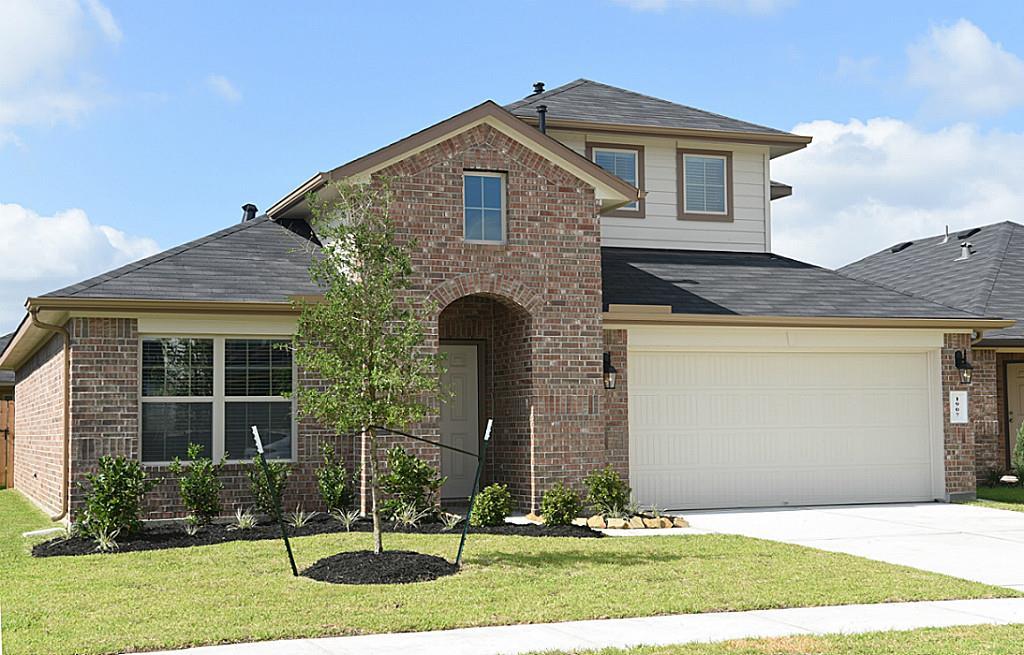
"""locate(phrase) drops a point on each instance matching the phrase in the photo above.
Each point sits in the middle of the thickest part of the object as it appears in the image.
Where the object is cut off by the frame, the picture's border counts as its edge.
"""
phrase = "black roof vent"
(248, 212)
(538, 88)
(968, 233)
(899, 247)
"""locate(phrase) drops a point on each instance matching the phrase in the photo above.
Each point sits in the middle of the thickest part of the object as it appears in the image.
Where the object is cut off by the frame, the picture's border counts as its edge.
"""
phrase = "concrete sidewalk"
(660, 630)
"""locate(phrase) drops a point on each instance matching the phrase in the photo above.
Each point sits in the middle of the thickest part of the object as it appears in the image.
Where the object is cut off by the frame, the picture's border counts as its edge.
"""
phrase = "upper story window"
(705, 185)
(484, 207)
(625, 162)
(210, 391)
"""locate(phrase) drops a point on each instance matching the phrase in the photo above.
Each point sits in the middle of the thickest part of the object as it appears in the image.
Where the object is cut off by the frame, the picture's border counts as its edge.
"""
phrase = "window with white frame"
(210, 391)
(623, 163)
(704, 184)
(484, 207)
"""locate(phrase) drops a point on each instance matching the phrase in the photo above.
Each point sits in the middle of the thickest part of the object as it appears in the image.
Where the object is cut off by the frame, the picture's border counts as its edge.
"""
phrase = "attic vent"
(899, 247)
(966, 250)
(968, 233)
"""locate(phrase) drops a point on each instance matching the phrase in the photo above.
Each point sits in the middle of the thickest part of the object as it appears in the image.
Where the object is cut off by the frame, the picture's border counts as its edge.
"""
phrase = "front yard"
(1002, 497)
(242, 591)
(988, 639)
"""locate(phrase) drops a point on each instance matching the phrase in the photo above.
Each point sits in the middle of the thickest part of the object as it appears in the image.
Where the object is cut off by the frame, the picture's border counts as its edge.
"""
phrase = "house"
(600, 266)
(976, 270)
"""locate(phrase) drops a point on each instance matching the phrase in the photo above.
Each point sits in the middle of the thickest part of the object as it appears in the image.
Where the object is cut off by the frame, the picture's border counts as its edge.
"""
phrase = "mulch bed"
(390, 567)
(172, 536)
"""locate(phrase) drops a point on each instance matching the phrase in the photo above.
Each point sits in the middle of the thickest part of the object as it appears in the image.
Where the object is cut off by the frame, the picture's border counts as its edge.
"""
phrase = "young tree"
(362, 339)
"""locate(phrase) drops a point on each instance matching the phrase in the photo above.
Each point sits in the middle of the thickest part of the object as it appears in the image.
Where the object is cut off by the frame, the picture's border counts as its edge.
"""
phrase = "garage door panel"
(748, 429)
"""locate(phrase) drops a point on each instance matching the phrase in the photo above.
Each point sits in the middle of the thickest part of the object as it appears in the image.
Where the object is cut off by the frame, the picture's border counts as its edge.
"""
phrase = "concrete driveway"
(976, 543)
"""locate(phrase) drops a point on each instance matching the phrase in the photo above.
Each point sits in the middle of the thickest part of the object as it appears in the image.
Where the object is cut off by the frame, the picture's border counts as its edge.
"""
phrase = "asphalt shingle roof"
(257, 261)
(594, 102)
(6, 377)
(751, 284)
(988, 282)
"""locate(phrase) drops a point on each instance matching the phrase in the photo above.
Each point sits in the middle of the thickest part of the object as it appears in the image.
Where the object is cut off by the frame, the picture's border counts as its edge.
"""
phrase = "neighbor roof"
(752, 284)
(586, 101)
(256, 261)
(6, 377)
(988, 282)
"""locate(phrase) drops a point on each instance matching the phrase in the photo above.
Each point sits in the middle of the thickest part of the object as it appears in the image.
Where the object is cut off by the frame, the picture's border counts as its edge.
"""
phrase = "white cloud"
(863, 186)
(44, 253)
(105, 20)
(44, 45)
(963, 69)
(223, 87)
(758, 7)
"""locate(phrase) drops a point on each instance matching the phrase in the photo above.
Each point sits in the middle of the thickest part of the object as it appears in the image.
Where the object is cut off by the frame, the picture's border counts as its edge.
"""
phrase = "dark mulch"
(390, 567)
(172, 536)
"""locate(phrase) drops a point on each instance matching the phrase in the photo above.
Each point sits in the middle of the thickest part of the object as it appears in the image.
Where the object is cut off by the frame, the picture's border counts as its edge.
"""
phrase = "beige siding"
(662, 228)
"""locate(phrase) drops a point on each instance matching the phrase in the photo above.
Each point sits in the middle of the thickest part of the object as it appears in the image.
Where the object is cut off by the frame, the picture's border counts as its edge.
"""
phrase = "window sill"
(474, 242)
(720, 218)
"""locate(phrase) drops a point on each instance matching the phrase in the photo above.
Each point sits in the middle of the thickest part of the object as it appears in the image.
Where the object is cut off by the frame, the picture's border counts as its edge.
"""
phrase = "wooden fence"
(6, 441)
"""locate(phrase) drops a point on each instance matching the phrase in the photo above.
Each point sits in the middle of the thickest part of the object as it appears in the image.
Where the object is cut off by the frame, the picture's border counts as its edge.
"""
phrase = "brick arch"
(502, 288)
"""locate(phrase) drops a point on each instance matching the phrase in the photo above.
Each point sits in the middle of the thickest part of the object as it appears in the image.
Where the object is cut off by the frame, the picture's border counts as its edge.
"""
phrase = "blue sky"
(131, 126)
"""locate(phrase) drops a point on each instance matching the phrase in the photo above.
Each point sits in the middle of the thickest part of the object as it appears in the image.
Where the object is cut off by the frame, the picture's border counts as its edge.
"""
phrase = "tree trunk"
(378, 545)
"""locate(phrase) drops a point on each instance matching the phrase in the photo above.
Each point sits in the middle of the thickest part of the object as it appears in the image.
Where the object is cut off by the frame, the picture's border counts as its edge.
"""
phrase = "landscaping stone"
(580, 521)
(618, 524)
(652, 523)
(596, 521)
(680, 522)
(665, 522)
(636, 523)
(534, 518)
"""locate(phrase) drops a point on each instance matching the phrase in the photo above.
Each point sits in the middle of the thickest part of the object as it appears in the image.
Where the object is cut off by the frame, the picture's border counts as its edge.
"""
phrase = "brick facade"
(39, 426)
(986, 413)
(961, 471)
(616, 404)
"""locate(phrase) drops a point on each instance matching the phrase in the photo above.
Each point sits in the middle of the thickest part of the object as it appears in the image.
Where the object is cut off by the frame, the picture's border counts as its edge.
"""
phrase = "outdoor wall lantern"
(609, 372)
(965, 367)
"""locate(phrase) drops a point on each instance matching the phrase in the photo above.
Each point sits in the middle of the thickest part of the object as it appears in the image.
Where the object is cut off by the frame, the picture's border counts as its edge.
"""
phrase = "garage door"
(741, 429)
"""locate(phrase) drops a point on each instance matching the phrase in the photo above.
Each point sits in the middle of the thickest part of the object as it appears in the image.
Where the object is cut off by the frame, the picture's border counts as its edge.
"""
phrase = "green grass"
(243, 591)
(988, 639)
(1002, 497)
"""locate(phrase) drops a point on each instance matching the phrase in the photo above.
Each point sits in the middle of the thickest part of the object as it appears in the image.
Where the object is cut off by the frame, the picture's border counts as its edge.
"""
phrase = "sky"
(130, 127)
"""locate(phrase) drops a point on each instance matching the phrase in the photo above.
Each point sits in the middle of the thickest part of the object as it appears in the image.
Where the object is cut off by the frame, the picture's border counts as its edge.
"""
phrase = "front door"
(460, 419)
(1014, 400)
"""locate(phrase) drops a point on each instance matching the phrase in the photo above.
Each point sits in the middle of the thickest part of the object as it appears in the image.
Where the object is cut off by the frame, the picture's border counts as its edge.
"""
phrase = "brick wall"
(961, 471)
(616, 404)
(986, 413)
(39, 426)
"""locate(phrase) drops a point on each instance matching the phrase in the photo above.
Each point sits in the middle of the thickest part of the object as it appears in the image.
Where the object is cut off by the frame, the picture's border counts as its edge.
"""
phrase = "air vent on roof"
(966, 250)
(248, 212)
(968, 233)
(538, 88)
(901, 246)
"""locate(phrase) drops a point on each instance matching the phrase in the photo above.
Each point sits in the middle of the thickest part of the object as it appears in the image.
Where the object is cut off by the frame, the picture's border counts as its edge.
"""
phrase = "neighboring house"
(6, 421)
(976, 270)
(613, 232)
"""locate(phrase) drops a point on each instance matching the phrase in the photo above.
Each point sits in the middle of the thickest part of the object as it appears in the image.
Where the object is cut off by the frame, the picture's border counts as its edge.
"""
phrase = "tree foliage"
(363, 340)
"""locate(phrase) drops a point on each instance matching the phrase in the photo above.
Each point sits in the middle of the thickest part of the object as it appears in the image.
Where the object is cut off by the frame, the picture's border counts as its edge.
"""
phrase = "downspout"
(63, 331)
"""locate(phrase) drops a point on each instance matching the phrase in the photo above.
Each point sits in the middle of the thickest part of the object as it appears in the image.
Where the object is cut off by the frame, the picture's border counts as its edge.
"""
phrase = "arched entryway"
(487, 338)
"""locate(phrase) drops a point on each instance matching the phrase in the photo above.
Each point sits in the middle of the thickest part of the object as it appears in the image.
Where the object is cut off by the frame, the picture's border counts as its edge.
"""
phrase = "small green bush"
(337, 487)
(492, 505)
(199, 484)
(1017, 461)
(266, 500)
(409, 481)
(560, 505)
(113, 500)
(607, 493)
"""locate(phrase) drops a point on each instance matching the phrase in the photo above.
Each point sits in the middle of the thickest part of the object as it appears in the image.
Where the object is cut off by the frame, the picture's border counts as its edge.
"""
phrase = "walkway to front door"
(966, 541)
(460, 419)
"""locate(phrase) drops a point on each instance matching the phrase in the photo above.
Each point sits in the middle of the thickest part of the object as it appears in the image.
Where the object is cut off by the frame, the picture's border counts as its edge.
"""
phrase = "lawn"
(1002, 497)
(242, 591)
(988, 639)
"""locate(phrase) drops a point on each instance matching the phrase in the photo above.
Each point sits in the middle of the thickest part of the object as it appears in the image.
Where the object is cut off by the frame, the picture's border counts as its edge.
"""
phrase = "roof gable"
(588, 102)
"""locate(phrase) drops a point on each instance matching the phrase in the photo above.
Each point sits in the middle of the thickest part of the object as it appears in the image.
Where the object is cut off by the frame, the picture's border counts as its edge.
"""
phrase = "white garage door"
(741, 429)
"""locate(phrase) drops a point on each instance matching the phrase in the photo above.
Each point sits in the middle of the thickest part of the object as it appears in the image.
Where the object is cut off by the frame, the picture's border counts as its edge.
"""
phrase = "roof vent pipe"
(538, 88)
(248, 212)
(946, 240)
(966, 250)
(542, 118)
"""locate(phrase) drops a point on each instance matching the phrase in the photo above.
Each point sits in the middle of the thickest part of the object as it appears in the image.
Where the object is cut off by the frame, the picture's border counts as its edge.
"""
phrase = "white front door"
(1014, 400)
(460, 419)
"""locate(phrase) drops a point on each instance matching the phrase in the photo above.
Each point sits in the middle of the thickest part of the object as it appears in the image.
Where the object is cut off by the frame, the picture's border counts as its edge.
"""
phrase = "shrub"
(113, 502)
(492, 505)
(199, 484)
(1017, 461)
(337, 487)
(560, 505)
(300, 517)
(244, 520)
(409, 481)
(406, 515)
(266, 499)
(607, 493)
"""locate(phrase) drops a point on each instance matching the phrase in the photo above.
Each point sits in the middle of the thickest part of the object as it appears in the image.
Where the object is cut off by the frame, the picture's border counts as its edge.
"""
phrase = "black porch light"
(965, 367)
(609, 372)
